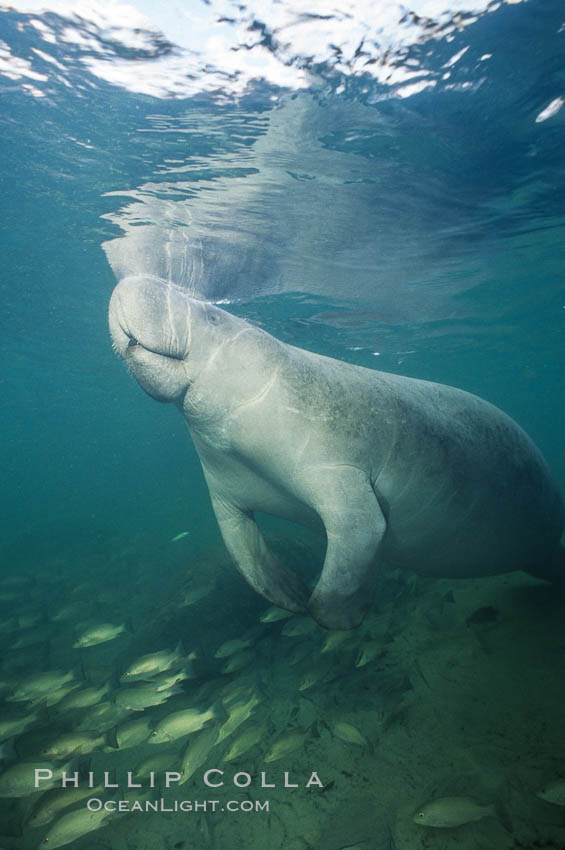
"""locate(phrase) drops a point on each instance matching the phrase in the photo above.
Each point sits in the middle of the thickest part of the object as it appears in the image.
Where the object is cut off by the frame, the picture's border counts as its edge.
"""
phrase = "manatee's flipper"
(265, 573)
(552, 569)
(355, 527)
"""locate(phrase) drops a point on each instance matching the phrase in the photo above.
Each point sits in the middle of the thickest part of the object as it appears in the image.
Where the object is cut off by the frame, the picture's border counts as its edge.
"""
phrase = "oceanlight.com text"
(94, 804)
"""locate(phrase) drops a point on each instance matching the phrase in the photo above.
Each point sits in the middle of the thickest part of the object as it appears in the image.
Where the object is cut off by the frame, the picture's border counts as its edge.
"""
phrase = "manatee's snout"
(149, 325)
(151, 312)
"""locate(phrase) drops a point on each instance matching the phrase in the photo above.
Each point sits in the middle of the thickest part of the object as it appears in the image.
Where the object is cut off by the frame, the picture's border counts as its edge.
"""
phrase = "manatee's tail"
(552, 569)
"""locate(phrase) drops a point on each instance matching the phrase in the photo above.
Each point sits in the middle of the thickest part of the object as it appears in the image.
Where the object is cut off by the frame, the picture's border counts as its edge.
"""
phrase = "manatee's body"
(415, 473)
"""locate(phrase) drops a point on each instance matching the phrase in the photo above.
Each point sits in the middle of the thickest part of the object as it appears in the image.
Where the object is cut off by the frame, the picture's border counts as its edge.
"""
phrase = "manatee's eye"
(421, 814)
(132, 342)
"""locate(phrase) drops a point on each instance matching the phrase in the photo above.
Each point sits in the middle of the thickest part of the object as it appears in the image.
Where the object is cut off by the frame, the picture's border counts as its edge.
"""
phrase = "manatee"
(413, 473)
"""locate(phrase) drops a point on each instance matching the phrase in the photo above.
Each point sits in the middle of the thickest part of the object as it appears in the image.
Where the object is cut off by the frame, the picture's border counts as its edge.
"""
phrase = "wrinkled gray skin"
(415, 473)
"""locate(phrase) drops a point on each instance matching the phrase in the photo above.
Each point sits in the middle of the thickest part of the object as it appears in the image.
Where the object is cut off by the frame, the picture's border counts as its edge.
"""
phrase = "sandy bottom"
(465, 696)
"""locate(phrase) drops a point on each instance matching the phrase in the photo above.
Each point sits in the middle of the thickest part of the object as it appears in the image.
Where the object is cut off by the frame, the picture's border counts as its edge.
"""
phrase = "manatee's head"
(150, 328)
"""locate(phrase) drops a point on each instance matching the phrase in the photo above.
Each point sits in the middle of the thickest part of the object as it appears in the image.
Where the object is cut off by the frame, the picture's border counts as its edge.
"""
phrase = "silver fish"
(244, 742)
(180, 536)
(130, 733)
(16, 724)
(77, 744)
(147, 666)
(299, 626)
(83, 698)
(238, 661)
(192, 595)
(285, 744)
(39, 685)
(57, 799)
(334, 640)
(141, 697)
(19, 779)
(98, 633)
(164, 681)
(446, 812)
(315, 673)
(162, 760)
(102, 716)
(197, 751)
(230, 647)
(180, 723)
(553, 792)
(368, 652)
(274, 614)
(74, 825)
(349, 734)
(238, 713)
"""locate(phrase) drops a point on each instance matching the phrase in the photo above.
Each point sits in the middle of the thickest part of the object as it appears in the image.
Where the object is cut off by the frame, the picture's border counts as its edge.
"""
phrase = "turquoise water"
(415, 231)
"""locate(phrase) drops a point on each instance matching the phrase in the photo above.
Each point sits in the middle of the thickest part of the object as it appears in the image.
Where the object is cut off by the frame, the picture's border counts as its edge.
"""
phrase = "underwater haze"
(379, 183)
